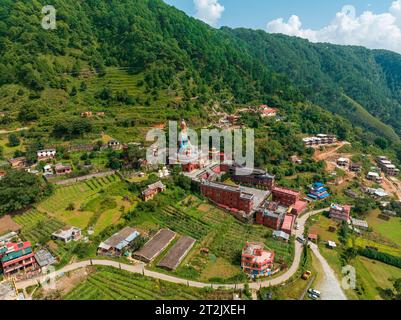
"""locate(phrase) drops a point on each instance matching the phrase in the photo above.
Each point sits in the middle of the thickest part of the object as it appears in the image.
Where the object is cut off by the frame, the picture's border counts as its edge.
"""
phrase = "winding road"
(140, 268)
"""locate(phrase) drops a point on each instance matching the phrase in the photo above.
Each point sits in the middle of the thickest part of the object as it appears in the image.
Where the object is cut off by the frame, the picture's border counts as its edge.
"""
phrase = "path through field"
(11, 131)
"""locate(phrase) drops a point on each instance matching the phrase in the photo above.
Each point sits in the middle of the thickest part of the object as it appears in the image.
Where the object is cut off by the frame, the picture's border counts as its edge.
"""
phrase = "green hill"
(144, 61)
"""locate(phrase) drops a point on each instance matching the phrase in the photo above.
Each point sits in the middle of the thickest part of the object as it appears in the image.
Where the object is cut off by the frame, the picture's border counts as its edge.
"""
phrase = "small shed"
(331, 245)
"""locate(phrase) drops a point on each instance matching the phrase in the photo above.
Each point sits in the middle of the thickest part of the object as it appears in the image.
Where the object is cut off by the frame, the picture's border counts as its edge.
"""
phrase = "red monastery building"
(290, 198)
(228, 197)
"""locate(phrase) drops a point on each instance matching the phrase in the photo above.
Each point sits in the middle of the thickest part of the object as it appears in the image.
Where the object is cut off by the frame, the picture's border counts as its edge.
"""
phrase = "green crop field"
(80, 195)
(37, 226)
(375, 277)
(114, 284)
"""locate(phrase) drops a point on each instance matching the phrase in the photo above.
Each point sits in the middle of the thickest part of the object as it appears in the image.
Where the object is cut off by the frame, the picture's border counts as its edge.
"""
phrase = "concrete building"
(271, 214)
(62, 169)
(46, 154)
(318, 192)
(340, 213)
(67, 234)
(374, 176)
(256, 261)
(387, 166)
(18, 260)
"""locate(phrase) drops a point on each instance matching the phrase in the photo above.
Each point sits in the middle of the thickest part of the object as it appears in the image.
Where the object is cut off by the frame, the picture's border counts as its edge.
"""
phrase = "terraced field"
(77, 193)
(37, 226)
(113, 284)
(183, 223)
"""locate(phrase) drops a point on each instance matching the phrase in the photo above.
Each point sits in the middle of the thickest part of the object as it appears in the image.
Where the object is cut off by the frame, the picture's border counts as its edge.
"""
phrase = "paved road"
(330, 287)
(140, 268)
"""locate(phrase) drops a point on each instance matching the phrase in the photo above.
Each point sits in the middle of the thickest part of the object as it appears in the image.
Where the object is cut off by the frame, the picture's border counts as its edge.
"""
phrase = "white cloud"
(209, 11)
(375, 31)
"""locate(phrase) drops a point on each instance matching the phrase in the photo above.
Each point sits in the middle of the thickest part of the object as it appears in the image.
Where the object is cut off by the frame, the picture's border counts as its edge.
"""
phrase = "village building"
(152, 190)
(232, 198)
(61, 169)
(18, 163)
(267, 112)
(18, 260)
(343, 162)
(86, 114)
(387, 166)
(312, 237)
(67, 234)
(320, 139)
(295, 159)
(2, 174)
(288, 223)
(115, 145)
(355, 167)
(271, 214)
(155, 246)
(46, 154)
(177, 253)
(374, 176)
(331, 244)
(163, 173)
(118, 242)
(48, 169)
(44, 258)
(281, 235)
(251, 177)
(340, 213)
(318, 192)
(376, 193)
(256, 261)
(100, 114)
(361, 224)
(290, 198)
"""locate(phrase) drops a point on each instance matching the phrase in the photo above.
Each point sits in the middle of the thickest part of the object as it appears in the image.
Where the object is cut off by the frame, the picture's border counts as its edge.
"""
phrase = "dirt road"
(330, 286)
(324, 155)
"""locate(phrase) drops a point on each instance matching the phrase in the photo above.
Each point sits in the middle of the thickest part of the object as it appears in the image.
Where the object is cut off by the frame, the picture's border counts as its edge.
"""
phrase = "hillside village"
(91, 93)
(201, 221)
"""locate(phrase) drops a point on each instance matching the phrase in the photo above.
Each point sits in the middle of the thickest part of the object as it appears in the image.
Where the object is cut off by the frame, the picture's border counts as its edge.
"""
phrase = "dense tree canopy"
(19, 189)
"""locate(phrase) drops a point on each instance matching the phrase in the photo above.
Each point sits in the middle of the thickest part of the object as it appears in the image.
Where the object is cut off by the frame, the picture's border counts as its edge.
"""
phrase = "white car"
(313, 297)
(314, 292)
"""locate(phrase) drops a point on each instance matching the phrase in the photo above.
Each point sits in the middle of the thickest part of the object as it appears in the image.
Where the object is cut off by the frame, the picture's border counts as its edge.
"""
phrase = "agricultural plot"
(37, 226)
(225, 237)
(183, 223)
(78, 196)
(114, 284)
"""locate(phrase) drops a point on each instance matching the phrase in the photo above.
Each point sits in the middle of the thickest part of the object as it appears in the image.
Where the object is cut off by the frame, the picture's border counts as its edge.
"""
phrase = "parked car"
(301, 239)
(314, 292)
(313, 297)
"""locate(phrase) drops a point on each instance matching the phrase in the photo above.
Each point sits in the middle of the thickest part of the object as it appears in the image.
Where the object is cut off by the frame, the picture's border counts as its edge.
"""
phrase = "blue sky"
(375, 24)
(256, 13)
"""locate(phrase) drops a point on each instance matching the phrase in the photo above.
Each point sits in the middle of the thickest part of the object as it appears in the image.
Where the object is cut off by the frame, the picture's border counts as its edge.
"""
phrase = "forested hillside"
(329, 75)
(124, 54)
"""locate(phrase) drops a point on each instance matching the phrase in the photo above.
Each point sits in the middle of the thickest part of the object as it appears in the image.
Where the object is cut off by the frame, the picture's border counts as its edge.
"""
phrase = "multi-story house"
(256, 261)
